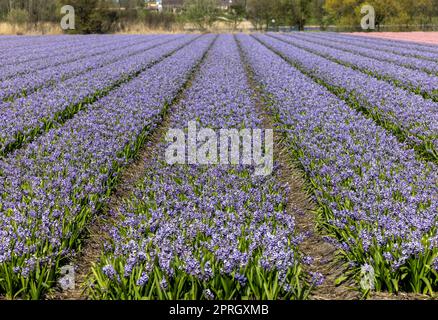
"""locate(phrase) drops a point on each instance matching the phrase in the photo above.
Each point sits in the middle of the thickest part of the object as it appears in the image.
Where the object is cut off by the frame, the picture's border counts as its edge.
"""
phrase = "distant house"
(176, 5)
(154, 5)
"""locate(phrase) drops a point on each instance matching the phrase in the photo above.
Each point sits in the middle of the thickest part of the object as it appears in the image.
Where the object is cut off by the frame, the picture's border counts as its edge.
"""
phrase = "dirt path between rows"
(98, 231)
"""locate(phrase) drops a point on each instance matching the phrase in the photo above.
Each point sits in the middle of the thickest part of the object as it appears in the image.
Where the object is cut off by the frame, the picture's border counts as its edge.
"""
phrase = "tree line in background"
(92, 16)
(101, 16)
(342, 13)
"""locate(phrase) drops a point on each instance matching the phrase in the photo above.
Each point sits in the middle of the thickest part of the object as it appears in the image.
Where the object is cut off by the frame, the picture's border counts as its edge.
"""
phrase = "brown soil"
(322, 253)
(399, 296)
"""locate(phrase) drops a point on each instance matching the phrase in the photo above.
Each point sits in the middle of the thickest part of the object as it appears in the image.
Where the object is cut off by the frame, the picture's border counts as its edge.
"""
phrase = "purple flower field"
(356, 117)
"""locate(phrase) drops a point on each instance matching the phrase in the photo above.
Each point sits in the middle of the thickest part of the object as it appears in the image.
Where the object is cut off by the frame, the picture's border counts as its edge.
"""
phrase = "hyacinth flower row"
(27, 117)
(52, 188)
(375, 198)
(21, 56)
(34, 41)
(416, 81)
(82, 62)
(27, 83)
(23, 45)
(204, 232)
(373, 51)
(76, 53)
(422, 51)
(396, 43)
(408, 115)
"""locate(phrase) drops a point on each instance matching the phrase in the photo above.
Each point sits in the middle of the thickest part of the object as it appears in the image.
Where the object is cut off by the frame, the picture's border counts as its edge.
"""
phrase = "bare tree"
(202, 13)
